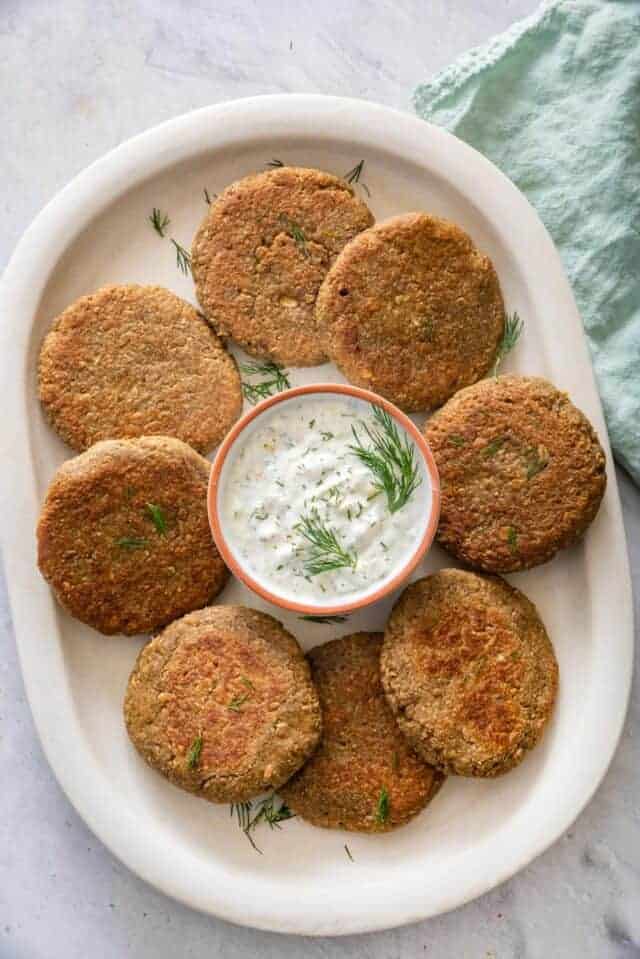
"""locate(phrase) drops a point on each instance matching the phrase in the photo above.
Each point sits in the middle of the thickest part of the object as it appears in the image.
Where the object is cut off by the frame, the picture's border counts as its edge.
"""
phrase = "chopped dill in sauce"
(312, 514)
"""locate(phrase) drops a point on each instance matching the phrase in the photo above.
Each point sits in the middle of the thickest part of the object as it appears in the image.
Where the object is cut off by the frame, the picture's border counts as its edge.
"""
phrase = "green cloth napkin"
(555, 103)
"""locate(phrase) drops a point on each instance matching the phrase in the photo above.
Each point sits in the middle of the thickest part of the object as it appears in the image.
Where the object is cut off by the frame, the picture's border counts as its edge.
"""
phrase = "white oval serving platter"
(476, 833)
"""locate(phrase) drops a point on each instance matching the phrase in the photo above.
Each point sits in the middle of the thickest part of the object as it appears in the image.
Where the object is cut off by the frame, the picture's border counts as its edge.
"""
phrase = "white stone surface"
(78, 77)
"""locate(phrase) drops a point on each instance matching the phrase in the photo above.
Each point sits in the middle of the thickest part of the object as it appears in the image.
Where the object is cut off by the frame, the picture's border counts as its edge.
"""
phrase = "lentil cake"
(131, 361)
(263, 250)
(522, 473)
(124, 538)
(363, 777)
(469, 672)
(412, 310)
(221, 703)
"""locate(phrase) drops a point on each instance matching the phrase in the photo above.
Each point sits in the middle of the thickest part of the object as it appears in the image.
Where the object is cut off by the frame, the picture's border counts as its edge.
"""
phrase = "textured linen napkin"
(555, 103)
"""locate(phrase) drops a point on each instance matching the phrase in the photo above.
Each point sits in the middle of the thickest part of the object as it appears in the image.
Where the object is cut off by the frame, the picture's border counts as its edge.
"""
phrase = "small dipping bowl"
(291, 596)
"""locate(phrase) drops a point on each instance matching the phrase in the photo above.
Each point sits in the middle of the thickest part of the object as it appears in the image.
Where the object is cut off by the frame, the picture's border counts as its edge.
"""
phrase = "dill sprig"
(242, 811)
(538, 460)
(353, 176)
(327, 620)
(208, 196)
(326, 553)
(382, 806)
(238, 701)
(277, 380)
(183, 257)
(158, 518)
(391, 459)
(492, 448)
(274, 164)
(348, 852)
(271, 813)
(266, 811)
(193, 756)
(131, 542)
(513, 327)
(159, 221)
(236, 704)
(297, 234)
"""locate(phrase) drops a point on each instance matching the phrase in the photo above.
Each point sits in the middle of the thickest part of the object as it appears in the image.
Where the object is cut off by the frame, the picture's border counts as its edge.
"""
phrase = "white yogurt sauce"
(293, 462)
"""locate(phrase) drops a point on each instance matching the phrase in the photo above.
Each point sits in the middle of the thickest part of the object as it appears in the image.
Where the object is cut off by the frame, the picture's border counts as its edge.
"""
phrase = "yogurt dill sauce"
(308, 516)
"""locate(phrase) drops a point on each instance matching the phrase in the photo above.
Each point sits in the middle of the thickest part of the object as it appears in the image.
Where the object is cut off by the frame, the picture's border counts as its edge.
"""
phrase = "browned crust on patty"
(412, 310)
(362, 751)
(257, 276)
(469, 672)
(102, 496)
(522, 473)
(236, 680)
(131, 361)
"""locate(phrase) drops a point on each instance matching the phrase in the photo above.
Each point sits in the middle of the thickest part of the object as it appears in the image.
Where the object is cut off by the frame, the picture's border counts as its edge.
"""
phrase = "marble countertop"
(79, 77)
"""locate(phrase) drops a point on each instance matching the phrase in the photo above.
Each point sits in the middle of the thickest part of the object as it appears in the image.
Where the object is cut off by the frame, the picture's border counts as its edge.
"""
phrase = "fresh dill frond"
(236, 704)
(271, 813)
(158, 518)
(131, 542)
(242, 812)
(492, 448)
(183, 257)
(266, 811)
(348, 852)
(193, 756)
(276, 380)
(208, 196)
(353, 176)
(538, 461)
(425, 329)
(391, 459)
(297, 234)
(326, 552)
(159, 221)
(326, 620)
(238, 701)
(512, 538)
(382, 806)
(274, 164)
(513, 327)
(456, 440)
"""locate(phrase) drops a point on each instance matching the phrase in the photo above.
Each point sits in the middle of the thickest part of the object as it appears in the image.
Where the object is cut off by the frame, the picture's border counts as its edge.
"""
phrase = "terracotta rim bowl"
(388, 586)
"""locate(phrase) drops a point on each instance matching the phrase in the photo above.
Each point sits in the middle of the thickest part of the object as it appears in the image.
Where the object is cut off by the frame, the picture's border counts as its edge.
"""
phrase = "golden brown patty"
(221, 703)
(262, 252)
(521, 470)
(469, 672)
(137, 361)
(363, 777)
(412, 310)
(123, 536)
